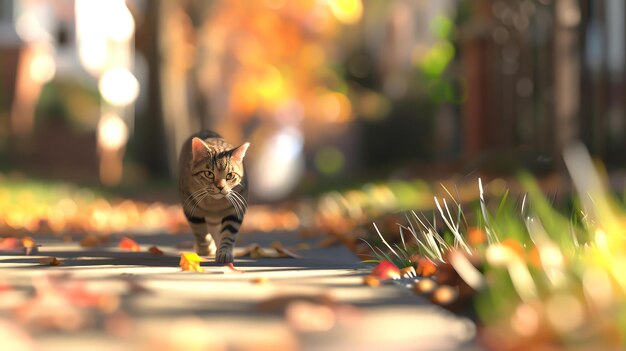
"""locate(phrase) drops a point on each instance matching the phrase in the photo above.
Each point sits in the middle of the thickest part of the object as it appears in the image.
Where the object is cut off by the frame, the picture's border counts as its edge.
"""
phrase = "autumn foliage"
(190, 261)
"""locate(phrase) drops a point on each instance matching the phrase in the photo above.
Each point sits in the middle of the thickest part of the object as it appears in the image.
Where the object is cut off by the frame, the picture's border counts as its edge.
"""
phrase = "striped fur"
(213, 189)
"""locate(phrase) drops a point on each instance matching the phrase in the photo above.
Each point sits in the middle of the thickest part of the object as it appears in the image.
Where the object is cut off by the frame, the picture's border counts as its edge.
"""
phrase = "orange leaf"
(386, 270)
(426, 267)
(476, 236)
(129, 244)
(371, 281)
(155, 251)
(514, 245)
(190, 261)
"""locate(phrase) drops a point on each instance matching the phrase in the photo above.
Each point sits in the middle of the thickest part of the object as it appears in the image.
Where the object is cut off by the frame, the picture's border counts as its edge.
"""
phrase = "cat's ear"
(240, 152)
(199, 148)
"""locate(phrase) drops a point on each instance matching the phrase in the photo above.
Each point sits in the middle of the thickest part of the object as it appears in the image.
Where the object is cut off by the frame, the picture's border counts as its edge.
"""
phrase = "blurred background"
(332, 94)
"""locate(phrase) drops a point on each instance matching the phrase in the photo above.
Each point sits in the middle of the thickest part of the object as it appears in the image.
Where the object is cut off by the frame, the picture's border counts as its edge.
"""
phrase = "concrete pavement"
(138, 301)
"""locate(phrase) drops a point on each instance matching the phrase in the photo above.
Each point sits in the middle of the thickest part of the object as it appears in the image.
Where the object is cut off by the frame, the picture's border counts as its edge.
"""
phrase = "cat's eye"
(208, 174)
(230, 176)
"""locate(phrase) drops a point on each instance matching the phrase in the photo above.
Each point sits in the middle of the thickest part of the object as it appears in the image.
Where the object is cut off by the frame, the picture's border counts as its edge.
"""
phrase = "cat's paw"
(205, 250)
(224, 257)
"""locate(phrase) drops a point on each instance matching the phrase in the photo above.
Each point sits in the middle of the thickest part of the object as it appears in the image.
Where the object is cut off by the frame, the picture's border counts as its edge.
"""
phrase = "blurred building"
(541, 74)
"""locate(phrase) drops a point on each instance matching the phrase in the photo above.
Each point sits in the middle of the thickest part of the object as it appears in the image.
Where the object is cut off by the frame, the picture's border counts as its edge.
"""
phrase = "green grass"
(548, 277)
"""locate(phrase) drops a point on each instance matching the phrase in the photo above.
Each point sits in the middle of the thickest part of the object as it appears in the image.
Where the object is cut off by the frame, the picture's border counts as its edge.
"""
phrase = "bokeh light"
(329, 160)
(346, 11)
(112, 132)
(119, 86)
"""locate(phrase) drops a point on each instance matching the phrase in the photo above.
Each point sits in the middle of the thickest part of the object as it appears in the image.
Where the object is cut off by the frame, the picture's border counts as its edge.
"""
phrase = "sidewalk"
(316, 302)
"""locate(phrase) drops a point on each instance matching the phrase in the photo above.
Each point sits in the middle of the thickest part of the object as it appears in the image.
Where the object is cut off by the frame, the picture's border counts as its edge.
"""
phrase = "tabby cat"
(213, 189)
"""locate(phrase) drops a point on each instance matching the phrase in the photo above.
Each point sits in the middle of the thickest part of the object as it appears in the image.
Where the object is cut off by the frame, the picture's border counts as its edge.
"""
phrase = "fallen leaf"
(10, 244)
(261, 252)
(386, 270)
(445, 295)
(426, 267)
(371, 281)
(129, 244)
(62, 303)
(232, 268)
(29, 245)
(155, 251)
(278, 246)
(53, 261)
(190, 261)
(260, 280)
(425, 286)
(276, 251)
(91, 240)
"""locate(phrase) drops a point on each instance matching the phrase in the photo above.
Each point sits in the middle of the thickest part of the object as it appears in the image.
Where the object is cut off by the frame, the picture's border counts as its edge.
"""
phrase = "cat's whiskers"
(242, 204)
(242, 200)
(193, 196)
(197, 202)
(239, 206)
(235, 205)
(237, 198)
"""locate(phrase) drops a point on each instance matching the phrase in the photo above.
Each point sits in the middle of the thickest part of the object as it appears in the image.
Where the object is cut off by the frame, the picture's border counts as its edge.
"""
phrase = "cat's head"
(215, 168)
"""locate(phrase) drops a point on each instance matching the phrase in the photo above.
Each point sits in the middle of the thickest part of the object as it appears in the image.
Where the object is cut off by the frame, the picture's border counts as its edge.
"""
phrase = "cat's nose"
(221, 184)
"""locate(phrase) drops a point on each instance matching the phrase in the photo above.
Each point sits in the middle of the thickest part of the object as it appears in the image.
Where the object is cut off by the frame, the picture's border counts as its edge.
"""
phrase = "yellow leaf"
(29, 245)
(28, 242)
(190, 261)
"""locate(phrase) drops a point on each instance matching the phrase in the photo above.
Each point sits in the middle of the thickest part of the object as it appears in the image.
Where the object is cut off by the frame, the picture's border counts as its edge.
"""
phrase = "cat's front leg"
(204, 244)
(228, 237)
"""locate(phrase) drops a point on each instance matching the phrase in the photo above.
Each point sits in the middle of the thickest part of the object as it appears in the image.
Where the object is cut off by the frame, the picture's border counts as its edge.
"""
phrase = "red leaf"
(386, 270)
(232, 268)
(155, 251)
(128, 244)
(10, 244)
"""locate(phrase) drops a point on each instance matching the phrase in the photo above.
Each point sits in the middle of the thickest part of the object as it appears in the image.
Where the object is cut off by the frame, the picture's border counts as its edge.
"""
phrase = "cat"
(213, 188)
